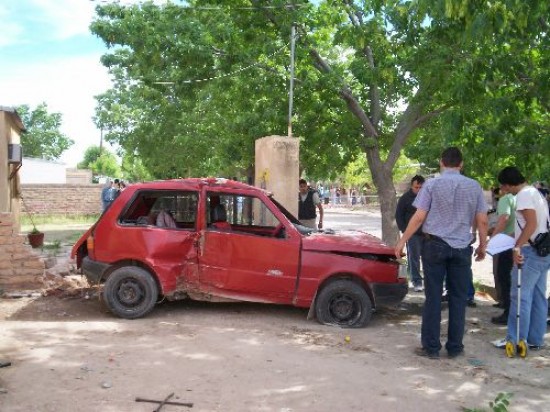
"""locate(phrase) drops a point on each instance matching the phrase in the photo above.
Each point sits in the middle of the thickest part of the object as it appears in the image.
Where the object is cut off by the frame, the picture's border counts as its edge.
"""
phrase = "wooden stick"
(188, 404)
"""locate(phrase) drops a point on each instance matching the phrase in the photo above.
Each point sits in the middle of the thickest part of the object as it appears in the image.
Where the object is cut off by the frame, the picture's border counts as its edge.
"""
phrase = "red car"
(220, 240)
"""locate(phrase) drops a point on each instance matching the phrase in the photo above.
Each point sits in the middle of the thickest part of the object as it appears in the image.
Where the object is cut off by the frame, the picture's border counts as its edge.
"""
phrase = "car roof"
(195, 184)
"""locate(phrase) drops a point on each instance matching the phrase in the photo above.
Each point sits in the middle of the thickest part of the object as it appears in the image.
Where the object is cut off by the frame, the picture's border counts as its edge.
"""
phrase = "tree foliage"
(196, 85)
(42, 138)
(502, 114)
(101, 162)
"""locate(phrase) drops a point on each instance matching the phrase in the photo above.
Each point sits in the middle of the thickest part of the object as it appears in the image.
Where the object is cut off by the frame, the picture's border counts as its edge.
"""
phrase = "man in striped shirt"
(447, 206)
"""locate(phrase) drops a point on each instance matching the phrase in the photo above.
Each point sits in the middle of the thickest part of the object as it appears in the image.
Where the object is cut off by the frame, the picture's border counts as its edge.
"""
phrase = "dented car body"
(220, 240)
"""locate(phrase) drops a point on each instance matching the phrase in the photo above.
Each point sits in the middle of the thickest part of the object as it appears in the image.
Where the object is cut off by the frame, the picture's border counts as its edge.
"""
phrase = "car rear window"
(177, 206)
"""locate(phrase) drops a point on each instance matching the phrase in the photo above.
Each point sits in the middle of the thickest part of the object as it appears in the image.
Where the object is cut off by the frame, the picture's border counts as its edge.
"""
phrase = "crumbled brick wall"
(20, 267)
(61, 199)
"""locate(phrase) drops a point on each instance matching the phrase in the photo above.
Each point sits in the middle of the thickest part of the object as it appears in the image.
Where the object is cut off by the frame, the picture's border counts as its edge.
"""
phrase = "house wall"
(20, 267)
(61, 199)
(10, 129)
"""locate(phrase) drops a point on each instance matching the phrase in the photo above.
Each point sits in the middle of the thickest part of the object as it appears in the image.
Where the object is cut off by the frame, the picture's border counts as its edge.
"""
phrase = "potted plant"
(36, 237)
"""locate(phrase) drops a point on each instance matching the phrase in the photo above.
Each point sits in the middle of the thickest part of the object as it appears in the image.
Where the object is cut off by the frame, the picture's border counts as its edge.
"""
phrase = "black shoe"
(535, 347)
(498, 305)
(424, 353)
(454, 355)
(445, 298)
(500, 320)
(471, 303)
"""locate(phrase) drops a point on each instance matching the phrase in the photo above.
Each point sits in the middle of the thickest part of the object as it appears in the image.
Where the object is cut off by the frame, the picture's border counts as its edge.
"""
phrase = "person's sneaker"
(500, 320)
(424, 353)
(418, 288)
(471, 303)
(499, 343)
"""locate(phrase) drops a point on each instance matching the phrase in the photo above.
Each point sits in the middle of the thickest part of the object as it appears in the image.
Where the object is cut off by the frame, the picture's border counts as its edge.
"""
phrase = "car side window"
(166, 209)
(242, 213)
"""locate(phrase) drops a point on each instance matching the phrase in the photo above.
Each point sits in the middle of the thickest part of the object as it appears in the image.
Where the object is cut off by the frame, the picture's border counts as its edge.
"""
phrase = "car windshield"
(301, 228)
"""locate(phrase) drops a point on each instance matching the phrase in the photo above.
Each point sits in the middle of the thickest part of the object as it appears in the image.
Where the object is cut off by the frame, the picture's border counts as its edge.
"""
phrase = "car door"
(157, 228)
(252, 259)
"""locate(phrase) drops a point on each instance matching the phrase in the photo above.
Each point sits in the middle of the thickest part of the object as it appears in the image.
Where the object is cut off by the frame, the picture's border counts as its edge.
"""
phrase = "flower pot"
(36, 239)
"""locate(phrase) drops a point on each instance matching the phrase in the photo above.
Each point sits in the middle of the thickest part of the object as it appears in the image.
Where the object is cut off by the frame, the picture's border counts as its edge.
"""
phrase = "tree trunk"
(383, 181)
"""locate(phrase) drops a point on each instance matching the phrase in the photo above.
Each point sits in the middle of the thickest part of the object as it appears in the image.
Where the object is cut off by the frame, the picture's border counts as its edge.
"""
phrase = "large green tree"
(370, 75)
(101, 162)
(503, 111)
(42, 138)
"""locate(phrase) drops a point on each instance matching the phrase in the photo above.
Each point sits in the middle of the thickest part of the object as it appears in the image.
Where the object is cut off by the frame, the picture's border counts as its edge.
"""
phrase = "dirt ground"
(69, 354)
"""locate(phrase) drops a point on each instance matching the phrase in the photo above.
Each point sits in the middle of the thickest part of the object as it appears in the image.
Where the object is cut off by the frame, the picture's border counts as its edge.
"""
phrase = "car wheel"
(343, 303)
(130, 292)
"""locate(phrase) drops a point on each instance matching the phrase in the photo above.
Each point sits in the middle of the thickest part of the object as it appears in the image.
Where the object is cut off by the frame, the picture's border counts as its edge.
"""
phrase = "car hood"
(346, 241)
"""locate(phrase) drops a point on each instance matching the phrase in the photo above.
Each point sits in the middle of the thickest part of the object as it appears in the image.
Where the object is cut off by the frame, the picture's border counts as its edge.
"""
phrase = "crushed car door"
(247, 255)
(160, 226)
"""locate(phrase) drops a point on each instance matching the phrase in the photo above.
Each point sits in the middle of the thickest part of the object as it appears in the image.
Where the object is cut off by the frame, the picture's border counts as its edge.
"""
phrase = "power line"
(230, 74)
(215, 8)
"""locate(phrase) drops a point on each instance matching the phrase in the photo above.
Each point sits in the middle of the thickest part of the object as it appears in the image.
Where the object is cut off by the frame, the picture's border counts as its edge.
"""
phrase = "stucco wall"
(277, 169)
(57, 199)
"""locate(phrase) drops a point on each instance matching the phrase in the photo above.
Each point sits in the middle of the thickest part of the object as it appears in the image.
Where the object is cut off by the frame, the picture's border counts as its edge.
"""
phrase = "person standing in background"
(403, 213)
(308, 200)
(506, 220)
(106, 194)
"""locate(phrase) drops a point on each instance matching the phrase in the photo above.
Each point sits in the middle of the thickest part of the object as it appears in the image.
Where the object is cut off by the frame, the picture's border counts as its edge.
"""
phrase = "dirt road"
(71, 355)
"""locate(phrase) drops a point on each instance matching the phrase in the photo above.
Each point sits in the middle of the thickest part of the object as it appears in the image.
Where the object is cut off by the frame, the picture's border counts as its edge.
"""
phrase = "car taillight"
(402, 271)
(90, 246)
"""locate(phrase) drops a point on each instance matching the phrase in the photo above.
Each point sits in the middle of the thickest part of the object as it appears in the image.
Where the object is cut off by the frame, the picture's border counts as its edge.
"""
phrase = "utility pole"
(291, 91)
(101, 141)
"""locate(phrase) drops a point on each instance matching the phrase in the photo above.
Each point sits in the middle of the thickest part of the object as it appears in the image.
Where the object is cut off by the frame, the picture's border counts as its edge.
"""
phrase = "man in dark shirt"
(403, 214)
(308, 200)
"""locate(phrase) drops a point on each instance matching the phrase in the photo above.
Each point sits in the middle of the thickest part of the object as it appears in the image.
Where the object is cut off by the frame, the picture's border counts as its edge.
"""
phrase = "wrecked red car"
(220, 240)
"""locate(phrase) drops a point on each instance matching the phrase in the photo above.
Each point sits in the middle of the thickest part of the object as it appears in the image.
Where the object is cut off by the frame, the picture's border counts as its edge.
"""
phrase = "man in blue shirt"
(446, 208)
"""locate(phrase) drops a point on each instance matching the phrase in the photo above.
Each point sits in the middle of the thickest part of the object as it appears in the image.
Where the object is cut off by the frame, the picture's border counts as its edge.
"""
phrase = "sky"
(47, 54)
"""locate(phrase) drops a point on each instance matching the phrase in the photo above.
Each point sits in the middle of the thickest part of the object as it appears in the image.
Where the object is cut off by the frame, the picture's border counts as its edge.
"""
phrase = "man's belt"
(433, 237)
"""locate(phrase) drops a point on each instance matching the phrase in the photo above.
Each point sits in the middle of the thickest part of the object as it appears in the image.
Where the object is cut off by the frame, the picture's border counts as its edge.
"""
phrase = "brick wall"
(61, 199)
(20, 267)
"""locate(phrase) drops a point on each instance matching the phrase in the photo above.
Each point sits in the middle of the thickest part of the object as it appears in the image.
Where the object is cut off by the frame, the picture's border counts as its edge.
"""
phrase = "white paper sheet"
(499, 243)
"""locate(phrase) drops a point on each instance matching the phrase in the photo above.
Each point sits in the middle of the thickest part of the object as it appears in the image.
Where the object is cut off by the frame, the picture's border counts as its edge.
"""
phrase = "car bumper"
(94, 270)
(389, 294)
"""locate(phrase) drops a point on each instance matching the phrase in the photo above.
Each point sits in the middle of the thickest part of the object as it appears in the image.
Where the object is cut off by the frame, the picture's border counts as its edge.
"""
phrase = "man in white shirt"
(531, 220)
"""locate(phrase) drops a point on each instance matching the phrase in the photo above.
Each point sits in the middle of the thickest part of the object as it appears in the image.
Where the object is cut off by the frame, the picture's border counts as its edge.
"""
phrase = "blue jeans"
(533, 304)
(442, 262)
(414, 249)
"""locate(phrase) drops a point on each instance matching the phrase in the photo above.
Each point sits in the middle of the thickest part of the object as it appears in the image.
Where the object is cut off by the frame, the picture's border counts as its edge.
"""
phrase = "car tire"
(343, 303)
(130, 292)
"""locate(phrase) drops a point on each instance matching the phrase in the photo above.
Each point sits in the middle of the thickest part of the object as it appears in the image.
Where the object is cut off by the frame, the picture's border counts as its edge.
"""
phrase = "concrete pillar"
(277, 169)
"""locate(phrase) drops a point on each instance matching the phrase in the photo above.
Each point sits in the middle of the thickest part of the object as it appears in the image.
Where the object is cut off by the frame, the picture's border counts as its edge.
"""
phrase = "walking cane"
(518, 347)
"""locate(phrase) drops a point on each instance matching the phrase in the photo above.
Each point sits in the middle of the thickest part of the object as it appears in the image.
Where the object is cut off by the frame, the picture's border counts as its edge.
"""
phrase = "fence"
(369, 201)
(61, 199)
